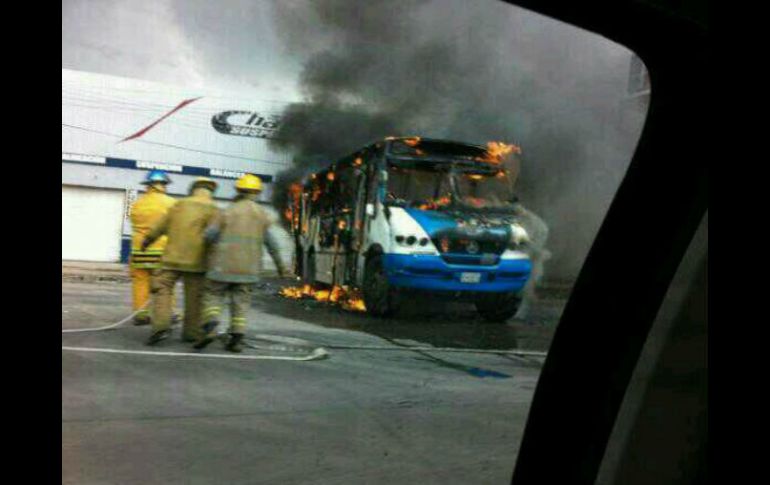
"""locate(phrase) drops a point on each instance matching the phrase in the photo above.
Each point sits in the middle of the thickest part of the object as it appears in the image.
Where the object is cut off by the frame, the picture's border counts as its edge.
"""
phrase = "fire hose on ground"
(276, 343)
(315, 353)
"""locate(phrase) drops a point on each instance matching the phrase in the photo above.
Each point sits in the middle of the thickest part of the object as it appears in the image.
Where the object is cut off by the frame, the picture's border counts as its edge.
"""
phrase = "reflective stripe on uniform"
(211, 311)
(237, 324)
(145, 265)
(148, 252)
(149, 259)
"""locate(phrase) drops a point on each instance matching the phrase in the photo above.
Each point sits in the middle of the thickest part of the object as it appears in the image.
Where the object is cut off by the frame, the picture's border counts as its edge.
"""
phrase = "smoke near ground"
(470, 71)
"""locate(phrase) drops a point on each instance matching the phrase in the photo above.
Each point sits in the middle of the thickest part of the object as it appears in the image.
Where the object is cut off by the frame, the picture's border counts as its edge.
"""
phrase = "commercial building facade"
(114, 130)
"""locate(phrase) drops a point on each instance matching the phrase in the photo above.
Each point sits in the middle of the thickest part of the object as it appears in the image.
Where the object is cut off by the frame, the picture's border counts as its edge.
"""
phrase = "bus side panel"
(378, 235)
(323, 262)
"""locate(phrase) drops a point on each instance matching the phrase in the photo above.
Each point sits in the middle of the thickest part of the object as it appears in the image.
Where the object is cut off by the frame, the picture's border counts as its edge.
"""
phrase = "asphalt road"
(358, 416)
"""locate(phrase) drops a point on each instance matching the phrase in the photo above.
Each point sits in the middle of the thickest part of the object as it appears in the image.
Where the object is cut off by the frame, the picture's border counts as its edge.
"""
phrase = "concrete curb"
(93, 272)
(114, 272)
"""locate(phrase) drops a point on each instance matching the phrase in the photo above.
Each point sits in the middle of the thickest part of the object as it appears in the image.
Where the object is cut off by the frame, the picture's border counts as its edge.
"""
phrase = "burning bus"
(409, 214)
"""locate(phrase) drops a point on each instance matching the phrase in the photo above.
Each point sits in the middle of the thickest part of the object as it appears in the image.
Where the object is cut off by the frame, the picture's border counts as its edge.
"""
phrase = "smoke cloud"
(474, 72)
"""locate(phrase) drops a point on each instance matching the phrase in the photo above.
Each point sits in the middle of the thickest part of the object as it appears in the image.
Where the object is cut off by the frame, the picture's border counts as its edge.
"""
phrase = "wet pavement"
(372, 412)
(433, 321)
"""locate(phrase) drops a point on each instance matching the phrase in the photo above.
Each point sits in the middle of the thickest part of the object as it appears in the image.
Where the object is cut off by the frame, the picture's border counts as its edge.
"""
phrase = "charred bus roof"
(425, 151)
(418, 149)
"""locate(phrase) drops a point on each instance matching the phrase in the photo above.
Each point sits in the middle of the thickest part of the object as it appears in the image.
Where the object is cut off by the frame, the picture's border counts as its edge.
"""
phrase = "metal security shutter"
(91, 221)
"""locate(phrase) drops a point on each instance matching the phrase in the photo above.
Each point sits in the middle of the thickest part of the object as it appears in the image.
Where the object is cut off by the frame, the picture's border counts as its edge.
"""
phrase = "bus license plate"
(470, 277)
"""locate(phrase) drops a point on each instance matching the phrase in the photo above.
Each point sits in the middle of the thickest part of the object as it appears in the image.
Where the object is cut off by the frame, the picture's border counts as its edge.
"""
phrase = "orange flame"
(412, 141)
(348, 299)
(434, 204)
(296, 291)
(354, 303)
(292, 211)
(497, 150)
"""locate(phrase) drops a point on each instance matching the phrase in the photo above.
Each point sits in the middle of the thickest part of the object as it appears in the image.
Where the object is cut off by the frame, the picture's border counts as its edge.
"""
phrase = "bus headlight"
(411, 240)
(519, 237)
(406, 240)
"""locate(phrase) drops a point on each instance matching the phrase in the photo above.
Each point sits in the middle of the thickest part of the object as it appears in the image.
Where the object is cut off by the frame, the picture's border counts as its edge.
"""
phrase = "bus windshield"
(484, 190)
(435, 186)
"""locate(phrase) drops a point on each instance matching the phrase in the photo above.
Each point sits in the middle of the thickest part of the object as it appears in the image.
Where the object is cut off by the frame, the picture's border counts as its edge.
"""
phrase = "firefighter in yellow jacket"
(145, 212)
(235, 261)
(184, 258)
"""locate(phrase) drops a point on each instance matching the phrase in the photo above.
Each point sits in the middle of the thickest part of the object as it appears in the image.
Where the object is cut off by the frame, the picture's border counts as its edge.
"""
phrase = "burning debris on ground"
(346, 298)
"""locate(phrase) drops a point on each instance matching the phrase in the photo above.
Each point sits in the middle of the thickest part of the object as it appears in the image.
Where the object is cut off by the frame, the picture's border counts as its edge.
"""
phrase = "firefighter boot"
(209, 334)
(236, 343)
(158, 336)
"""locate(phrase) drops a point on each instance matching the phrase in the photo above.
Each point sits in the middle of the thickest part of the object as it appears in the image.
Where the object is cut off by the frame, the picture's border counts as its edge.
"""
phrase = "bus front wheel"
(379, 296)
(498, 308)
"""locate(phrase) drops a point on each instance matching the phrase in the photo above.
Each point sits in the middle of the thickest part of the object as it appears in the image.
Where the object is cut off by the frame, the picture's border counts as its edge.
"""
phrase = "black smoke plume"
(474, 72)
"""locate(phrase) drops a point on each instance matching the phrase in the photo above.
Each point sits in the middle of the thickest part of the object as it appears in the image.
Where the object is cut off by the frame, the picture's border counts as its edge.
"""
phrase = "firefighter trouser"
(217, 293)
(163, 296)
(140, 288)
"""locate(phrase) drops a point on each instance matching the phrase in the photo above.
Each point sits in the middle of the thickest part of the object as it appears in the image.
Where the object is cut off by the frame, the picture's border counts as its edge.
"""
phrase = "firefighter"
(184, 257)
(145, 212)
(235, 261)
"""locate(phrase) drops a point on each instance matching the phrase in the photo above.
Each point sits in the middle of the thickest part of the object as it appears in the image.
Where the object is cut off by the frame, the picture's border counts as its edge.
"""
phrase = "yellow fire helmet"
(205, 182)
(249, 183)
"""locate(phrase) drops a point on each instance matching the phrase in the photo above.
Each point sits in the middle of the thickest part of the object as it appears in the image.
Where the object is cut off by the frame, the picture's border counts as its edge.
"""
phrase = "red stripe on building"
(152, 125)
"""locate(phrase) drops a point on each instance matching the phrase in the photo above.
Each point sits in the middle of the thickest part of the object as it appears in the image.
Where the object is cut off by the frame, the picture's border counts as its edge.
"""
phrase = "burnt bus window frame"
(344, 188)
(323, 209)
(345, 184)
(373, 166)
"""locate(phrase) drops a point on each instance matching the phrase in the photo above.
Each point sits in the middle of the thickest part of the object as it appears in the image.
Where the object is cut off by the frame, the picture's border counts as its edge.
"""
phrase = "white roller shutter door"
(91, 221)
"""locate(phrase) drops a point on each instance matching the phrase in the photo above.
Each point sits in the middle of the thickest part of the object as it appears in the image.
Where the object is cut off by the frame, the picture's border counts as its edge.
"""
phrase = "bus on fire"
(408, 214)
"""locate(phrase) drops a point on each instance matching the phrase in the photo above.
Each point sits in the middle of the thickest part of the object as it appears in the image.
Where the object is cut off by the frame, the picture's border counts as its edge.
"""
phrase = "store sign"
(168, 167)
(246, 123)
(228, 174)
(76, 157)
